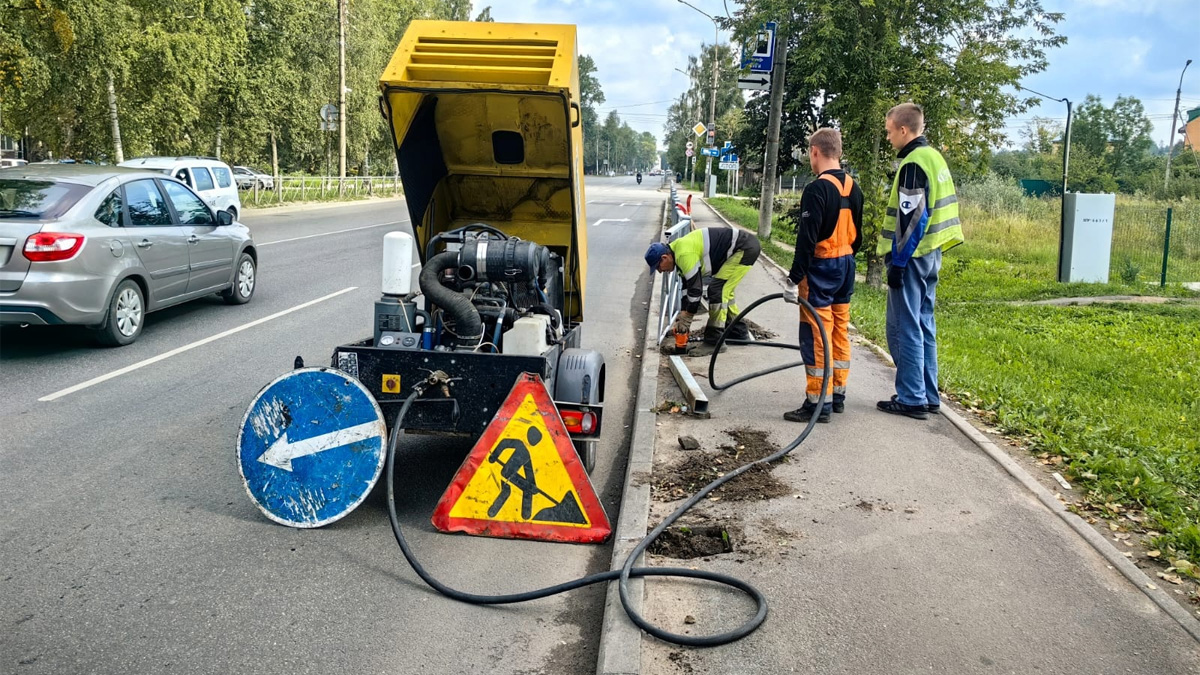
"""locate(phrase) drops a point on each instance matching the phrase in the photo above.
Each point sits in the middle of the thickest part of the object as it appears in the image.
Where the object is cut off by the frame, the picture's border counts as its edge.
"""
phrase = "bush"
(995, 195)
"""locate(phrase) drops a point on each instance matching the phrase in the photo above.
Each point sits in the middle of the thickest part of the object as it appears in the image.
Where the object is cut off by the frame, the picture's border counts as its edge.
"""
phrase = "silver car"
(103, 246)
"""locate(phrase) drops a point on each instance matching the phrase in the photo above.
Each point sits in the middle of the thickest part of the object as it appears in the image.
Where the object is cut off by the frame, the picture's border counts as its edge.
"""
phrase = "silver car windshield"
(42, 199)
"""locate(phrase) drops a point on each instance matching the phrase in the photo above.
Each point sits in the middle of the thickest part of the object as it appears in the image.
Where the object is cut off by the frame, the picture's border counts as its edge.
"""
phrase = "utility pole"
(710, 186)
(766, 203)
(341, 94)
(1174, 118)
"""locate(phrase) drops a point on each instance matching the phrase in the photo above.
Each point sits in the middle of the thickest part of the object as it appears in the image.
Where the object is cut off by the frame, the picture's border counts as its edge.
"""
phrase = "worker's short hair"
(908, 115)
(828, 141)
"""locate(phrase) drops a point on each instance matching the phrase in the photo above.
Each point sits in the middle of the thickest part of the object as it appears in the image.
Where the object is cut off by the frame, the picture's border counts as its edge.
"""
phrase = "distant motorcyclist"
(639, 177)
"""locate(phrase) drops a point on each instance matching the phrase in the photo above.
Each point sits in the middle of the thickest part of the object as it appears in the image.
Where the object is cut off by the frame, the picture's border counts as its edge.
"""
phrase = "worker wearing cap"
(922, 222)
(828, 235)
(726, 254)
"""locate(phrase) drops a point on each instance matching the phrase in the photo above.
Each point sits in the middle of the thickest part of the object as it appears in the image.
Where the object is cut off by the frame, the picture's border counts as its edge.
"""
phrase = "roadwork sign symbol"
(311, 447)
(523, 479)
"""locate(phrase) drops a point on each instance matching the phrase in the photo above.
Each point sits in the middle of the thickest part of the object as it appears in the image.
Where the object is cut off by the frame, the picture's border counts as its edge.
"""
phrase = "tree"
(849, 62)
(485, 14)
(591, 95)
(693, 105)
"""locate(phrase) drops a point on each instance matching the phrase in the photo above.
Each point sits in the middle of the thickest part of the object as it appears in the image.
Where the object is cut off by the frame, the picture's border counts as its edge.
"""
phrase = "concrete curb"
(1101, 545)
(620, 640)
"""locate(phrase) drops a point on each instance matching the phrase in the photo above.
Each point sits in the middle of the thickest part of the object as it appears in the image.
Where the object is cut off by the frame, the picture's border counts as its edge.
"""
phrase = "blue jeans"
(912, 332)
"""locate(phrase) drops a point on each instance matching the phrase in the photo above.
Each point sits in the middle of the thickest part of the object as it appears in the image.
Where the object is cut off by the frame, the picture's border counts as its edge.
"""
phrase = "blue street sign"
(311, 447)
(710, 152)
(759, 55)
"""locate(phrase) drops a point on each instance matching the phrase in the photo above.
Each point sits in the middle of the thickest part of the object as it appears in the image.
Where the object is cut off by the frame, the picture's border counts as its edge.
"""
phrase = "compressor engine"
(485, 291)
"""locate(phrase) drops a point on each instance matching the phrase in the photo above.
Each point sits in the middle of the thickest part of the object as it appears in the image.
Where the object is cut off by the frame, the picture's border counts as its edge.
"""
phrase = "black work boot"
(739, 331)
(805, 412)
(712, 334)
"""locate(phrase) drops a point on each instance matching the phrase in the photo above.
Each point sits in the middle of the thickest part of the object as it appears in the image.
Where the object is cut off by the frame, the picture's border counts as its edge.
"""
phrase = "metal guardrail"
(672, 287)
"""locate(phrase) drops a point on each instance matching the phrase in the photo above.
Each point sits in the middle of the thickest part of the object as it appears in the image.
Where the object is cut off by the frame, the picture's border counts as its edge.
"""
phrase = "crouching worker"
(828, 235)
(726, 254)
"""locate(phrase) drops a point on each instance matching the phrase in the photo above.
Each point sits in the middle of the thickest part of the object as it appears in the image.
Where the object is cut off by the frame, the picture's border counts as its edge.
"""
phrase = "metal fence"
(1156, 243)
(672, 287)
(323, 188)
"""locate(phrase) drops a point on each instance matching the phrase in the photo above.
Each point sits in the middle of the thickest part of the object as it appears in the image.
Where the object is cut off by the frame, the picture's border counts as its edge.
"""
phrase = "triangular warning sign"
(523, 479)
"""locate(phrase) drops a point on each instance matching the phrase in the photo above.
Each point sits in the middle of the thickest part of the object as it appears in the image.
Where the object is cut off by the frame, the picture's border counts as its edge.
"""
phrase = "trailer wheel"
(587, 454)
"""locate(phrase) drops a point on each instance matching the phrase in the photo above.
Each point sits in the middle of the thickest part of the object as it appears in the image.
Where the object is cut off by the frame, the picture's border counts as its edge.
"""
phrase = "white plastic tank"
(400, 263)
(527, 337)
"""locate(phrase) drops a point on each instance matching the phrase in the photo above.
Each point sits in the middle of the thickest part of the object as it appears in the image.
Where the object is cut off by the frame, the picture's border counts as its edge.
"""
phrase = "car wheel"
(233, 212)
(126, 316)
(587, 454)
(244, 281)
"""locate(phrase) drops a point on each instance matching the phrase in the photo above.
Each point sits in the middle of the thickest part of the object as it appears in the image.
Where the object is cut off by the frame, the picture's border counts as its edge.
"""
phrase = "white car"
(210, 178)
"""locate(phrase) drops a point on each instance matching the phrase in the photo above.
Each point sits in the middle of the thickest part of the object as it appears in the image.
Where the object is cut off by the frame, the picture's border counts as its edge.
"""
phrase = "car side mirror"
(224, 218)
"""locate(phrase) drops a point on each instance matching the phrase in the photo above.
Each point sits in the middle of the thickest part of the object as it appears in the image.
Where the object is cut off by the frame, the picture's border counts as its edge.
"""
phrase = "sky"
(1114, 47)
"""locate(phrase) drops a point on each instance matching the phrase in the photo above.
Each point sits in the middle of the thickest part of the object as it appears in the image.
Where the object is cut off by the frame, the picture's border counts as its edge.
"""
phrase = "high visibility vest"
(841, 243)
(943, 231)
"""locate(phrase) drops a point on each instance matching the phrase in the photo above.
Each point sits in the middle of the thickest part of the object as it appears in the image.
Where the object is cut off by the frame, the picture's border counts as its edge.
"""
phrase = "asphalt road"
(128, 542)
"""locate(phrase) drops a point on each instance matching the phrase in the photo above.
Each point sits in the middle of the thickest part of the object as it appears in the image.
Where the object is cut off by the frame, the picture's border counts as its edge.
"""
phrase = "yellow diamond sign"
(699, 128)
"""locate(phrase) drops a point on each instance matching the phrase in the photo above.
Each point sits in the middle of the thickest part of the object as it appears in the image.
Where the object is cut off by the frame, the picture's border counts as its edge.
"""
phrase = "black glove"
(895, 276)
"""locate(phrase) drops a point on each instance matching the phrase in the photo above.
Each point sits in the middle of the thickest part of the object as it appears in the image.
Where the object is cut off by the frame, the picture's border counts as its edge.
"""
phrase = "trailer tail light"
(52, 246)
(579, 421)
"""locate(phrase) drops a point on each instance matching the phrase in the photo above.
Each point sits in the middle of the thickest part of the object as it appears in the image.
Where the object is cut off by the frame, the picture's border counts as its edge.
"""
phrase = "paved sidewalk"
(893, 546)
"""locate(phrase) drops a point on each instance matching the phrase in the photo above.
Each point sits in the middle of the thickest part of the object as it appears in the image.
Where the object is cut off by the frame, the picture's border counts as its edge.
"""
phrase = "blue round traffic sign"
(311, 447)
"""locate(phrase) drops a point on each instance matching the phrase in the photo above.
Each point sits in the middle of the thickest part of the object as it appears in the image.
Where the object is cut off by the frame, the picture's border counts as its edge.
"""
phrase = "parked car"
(7, 162)
(102, 246)
(210, 178)
(248, 178)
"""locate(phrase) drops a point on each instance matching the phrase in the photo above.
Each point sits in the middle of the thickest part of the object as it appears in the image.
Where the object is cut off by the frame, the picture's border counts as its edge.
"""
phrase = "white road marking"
(631, 203)
(281, 453)
(326, 234)
(188, 347)
(610, 220)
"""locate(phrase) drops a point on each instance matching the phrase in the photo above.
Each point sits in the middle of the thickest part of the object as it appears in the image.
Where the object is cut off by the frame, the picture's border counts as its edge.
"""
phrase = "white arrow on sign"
(760, 82)
(281, 453)
(610, 220)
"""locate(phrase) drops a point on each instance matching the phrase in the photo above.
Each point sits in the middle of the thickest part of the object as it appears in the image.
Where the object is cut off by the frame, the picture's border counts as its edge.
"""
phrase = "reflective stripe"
(732, 243)
(891, 211)
(707, 266)
(815, 372)
(839, 390)
(841, 365)
(945, 201)
(943, 225)
(812, 398)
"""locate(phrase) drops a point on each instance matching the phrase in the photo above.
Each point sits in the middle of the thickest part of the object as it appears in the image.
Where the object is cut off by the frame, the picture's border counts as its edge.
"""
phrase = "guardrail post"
(1166, 249)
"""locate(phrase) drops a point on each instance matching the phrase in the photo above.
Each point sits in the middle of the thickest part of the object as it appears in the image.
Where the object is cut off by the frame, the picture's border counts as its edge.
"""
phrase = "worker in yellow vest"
(828, 234)
(922, 221)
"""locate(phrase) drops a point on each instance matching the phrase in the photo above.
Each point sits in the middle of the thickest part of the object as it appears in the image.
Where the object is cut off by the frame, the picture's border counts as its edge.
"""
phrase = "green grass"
(745, 213)
(317, 190)
(1108, 390)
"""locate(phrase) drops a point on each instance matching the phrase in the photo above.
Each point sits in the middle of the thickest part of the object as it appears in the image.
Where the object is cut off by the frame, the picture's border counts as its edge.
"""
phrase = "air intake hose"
(467, 324)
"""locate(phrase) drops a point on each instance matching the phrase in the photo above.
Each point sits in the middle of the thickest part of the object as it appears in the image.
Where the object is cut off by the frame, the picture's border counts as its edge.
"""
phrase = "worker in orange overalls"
(828, 234)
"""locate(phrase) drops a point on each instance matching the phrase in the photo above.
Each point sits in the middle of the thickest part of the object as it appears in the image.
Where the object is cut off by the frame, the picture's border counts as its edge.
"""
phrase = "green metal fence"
(1156, 242)
(323, 188)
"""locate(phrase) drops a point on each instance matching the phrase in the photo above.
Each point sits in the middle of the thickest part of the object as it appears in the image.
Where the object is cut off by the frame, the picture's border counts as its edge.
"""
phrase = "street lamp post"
(1062, 218)
(1174, 118)
(712, 99)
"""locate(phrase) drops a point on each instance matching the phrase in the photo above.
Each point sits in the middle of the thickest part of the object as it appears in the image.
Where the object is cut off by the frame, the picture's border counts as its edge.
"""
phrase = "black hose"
(712, 363)
(627, 571)
(468, 326)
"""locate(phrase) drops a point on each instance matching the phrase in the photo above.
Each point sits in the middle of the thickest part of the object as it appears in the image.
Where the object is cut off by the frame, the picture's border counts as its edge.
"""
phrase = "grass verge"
(1108, 393)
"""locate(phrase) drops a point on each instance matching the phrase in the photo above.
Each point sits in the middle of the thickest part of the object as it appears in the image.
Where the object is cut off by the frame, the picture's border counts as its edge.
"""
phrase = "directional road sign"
(710, 152)
(699, 128)
(329, 113)
(754, 81)
(523, 479)
(311, 447)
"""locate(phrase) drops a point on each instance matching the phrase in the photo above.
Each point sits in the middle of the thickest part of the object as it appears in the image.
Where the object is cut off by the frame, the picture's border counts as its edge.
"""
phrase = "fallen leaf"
(1152, 587)
(1114, 527)
(1183, 566)
(1153, 554)
(1173, 578)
